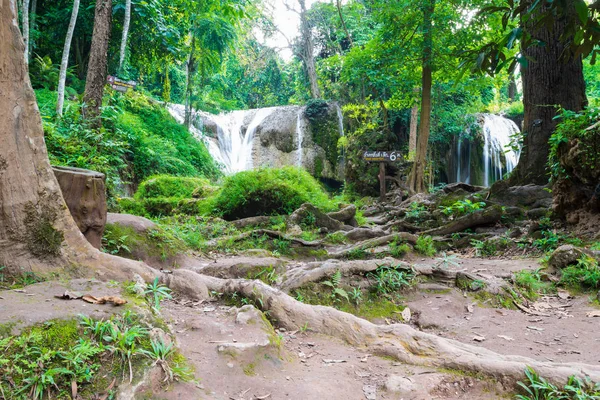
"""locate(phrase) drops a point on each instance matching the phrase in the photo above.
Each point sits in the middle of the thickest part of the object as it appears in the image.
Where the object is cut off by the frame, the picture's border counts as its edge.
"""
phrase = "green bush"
(425, 246)
(585, 274)
(173, 186)
(269, 192)
(160, 206)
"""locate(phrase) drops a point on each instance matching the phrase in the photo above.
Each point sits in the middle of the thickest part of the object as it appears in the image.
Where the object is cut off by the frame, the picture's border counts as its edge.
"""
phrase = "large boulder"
(308, 214)
(565, 255)
(84, 192)
(139, 224)
(531, 196)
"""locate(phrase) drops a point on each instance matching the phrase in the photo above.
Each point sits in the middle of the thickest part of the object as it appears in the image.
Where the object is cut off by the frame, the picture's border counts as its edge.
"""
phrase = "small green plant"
(446, 260)
(585, 274)
(336, 291)
(425, 246)
(300, 296)
(398, 249)
(268, 275)
(357, 254)
(483, 248)
(530, 282)
(336, 238)
(356, 295)
(157, 293)
(538, 388)
(462, 207)
(161, 354)
(415, 211)
(389, 278)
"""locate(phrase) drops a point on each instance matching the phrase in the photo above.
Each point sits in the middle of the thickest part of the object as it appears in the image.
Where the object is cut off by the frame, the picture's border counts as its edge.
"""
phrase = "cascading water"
(473, 164)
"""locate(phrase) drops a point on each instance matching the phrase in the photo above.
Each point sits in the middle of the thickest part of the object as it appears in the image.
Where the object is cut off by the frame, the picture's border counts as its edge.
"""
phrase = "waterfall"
(300, 137)
(497, 132)
(470, 162)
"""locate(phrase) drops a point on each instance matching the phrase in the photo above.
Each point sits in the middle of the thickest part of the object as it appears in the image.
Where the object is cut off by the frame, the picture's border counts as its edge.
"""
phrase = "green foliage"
(574, 127)
(551, 240)
(399, 249)
(462, 207)
(173, 186)
(336, 238)
(159, 242)
(336, 291)
(390, 278)
(446, 260)
(531, 283)
(324, 127)
(157, 293)
(483, 248)
(538, 388)
(138, 139)
(415, 211)
(585, 274)
(269, 192)
(425, 246)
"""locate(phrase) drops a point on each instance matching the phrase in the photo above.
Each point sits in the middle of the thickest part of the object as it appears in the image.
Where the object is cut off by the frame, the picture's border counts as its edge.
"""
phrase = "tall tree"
(417, 177)
(26, 29)
(412, 131)
(62, 78)
(37, 232)
(125, 34)
(553, 77)
(98, 64)
(307, 51)
(32, 17)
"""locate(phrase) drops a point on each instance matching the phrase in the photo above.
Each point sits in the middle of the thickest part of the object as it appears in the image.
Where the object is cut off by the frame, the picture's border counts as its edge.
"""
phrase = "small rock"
(248, 314)
(478, 338)
(370, 392)
(230, 365)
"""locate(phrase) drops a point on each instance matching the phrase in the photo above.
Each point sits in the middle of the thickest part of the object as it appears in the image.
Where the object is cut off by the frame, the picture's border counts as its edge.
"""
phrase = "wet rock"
(453, 187)
(522, 196)
(138, 224)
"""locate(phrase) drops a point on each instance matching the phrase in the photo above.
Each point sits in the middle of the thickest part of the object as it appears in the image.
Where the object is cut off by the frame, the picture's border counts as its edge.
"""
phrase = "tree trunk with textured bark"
(62, 77)
(37, 232)
(307, 52)
(412, 135)
(98, 64)
(26, 29)
(417, 176)
(125, 34)
(549, 80)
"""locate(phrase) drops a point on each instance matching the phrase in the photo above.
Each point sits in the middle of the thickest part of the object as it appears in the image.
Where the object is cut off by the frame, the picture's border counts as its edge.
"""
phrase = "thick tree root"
(379, 241)
(260, 232)
(399, 341)
(481, 217)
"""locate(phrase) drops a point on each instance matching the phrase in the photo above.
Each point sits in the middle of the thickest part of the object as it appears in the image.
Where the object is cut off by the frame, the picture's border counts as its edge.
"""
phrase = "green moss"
(42, 238)
(57, 334)
(318, 167)
(269, 192)
(249, 370)
(173, 186)
(126, 242)
(6, 329)
(324, 127)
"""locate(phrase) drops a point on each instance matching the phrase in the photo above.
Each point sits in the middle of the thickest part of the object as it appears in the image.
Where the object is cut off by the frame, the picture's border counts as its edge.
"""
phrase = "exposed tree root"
(251, 221)
(260, 232)
(477, 218)
(399, 341)
(379, 241)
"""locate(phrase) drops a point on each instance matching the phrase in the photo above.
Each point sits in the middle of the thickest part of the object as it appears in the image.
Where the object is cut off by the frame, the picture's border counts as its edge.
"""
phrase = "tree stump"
(85, 194)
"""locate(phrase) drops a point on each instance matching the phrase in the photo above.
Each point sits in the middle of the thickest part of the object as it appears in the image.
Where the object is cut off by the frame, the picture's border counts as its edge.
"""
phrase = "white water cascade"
(470, 163)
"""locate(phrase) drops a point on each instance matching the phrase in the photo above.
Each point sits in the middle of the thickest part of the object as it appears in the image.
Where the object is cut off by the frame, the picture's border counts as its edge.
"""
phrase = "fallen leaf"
(117, 301)
(73, 389)
(406, 314)
(593, 314)
(262, 397)
(505, 337)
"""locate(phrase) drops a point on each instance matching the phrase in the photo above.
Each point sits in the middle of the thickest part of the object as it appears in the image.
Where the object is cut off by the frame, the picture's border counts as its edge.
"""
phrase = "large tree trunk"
(26, 29)
(191, 68)
(37, 232)
(125, 34)
(97, 67)
(417, 177)
(551, 78)
(65, 59)
(307, 52)
(412, 135)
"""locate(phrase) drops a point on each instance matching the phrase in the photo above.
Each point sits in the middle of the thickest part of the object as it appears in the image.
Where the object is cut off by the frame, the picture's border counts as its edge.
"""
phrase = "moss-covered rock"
(161, 186)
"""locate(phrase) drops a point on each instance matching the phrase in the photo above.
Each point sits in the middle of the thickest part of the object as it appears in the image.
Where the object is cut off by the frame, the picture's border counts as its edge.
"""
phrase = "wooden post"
(381, 181)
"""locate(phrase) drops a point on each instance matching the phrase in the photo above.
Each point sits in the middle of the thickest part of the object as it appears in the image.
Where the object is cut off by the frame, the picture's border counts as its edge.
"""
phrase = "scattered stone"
(139, 224)
(370, 392)
(478, 338)
(248, 314)
(399, 384)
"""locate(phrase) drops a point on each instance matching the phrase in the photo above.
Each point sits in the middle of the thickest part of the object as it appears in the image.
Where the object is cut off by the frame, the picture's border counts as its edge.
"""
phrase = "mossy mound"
(269, 192)
(173, 186)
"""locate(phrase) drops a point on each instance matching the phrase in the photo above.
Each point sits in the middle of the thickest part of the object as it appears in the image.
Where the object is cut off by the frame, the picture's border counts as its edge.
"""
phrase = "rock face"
(564, 256)
(274, 137)
(85, 194)
(532, 196)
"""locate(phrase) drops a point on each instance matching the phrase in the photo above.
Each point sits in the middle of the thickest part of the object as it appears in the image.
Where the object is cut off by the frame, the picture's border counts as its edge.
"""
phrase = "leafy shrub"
(415, 211)
(462, 207)
(268, 192)
(388, 279)
(173, 186)
(585, 274)
(425, 246)
(538, 388)
(483, 248)
(399, 250)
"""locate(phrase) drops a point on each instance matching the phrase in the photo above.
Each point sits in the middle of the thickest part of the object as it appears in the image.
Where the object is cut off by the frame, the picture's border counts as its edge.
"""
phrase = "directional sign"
(382, 156)
(119, 84)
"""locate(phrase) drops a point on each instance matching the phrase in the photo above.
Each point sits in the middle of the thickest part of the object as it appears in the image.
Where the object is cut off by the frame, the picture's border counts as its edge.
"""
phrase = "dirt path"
(307, 365)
